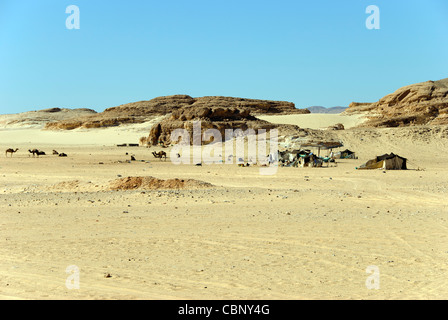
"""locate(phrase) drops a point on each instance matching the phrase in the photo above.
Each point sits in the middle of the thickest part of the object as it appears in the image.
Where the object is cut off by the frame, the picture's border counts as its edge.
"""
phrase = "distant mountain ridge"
(332, 110)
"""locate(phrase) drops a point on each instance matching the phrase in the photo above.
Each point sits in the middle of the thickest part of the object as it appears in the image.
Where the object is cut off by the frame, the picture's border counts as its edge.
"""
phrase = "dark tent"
(347, 154)
(387, 162)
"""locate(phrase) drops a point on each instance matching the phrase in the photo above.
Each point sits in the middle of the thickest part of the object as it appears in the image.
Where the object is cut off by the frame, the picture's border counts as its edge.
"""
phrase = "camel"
(160, 154)
(62, 154)
(34, 151)
(11, 151)
(55, 152)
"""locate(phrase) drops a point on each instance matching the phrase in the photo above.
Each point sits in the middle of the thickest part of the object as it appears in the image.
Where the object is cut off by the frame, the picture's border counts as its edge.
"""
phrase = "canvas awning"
(322, 144)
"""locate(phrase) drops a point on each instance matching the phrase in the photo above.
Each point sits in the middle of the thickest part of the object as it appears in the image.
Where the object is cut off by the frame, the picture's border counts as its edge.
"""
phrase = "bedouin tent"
(346, 154)
(386, 162)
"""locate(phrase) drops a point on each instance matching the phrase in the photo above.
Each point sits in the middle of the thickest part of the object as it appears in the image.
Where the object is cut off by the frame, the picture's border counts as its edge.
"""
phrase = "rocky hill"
(40, 118)
(212, 118)
(424, 103)
(164, 105)
(142, 111)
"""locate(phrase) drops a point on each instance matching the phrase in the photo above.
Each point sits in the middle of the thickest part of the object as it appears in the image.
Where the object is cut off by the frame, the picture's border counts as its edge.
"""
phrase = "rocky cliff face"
(424, 103)
(142, 111)
(164, 105)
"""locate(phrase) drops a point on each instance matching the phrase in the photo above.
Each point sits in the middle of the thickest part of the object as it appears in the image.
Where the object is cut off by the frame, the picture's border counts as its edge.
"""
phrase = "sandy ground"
(35, 135)
(316, 120)
(303, 233)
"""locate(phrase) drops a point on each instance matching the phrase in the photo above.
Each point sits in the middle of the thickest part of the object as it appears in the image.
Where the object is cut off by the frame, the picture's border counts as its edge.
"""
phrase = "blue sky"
(306, 52)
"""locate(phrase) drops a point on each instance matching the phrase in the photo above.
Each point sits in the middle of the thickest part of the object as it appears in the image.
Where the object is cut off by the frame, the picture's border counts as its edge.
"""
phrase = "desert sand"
(303, 233)
(315, 120)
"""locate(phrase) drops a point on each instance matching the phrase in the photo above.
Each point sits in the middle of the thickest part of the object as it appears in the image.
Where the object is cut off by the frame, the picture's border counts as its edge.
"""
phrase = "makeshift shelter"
(386, 162)
(309, 160)
(346, 154)
(287, 157)
(324, 145)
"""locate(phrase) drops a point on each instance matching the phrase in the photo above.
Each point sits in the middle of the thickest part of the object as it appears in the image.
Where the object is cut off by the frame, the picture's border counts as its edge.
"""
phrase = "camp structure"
(346, 154)
(292, 155)
(292, 158)
(386, 162)
(325, 145)
(309, 160)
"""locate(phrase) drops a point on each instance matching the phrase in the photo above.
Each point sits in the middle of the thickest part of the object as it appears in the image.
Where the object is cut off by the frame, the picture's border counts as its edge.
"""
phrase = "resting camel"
(36, 152)
(55, 152)
(10, 151)
(160, 154)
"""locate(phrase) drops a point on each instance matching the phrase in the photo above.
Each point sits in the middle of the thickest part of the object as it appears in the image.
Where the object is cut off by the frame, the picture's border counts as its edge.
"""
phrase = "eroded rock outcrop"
(424, 103)
(210, 118)
(40, 118)
(164, 105)
(337, 126)
(142, 111)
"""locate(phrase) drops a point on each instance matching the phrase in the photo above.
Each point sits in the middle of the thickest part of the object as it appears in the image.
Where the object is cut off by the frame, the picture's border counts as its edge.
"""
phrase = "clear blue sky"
(306, 52)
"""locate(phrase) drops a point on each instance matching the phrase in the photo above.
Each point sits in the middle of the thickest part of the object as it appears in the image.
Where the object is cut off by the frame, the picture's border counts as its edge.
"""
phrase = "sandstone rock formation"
(417, 104)
(164, 105)
(138, 112)
(337, 126)
(40, 118)
(210, 118)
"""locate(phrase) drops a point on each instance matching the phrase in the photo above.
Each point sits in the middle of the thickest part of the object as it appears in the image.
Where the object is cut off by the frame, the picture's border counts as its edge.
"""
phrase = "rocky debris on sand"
(151, 183)
(337, 126)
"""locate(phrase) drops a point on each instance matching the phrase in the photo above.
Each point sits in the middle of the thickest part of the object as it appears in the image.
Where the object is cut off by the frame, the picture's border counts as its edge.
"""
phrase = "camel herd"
(37, 153)
(34, 152)
(302, 158)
